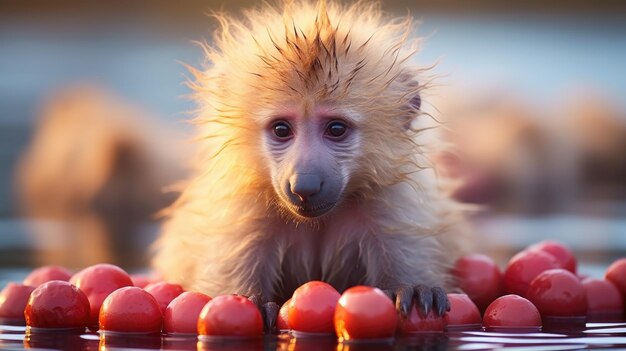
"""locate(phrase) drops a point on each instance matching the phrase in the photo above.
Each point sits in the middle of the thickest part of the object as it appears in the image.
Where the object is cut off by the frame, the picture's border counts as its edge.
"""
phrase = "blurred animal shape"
(93, 177)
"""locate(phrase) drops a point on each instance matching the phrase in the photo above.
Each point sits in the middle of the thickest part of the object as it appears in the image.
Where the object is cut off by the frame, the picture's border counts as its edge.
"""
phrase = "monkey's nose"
(305, 185)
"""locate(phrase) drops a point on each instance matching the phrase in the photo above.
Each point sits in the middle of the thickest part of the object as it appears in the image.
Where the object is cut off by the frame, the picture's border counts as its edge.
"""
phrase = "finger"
(270, 315)
(424, 298)
(441, 302)
(404, 300)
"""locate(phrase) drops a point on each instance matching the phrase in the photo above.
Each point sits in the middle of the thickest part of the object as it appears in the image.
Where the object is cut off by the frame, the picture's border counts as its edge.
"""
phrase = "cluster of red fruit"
(101, 296)
(539, 285)
(541, 282)
(364, 312)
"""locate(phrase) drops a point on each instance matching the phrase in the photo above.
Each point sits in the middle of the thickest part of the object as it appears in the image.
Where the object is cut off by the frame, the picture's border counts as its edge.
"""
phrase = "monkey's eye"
(281, 129)
(336, 129)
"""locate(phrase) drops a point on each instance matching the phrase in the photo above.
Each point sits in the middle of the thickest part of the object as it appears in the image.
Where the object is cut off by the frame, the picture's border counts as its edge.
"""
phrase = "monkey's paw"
(426, 299)
(269, 312)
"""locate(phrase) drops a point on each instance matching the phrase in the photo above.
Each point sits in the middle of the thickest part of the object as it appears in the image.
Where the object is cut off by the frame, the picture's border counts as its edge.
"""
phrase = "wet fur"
(230, 233)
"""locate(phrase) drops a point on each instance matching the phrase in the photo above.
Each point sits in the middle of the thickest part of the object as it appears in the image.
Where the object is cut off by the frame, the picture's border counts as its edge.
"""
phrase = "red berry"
(463, 312)
(46, 274)
(603, 299)
(140, 281)
(415, 322)
(523, 268)
(563, 255)
(97, 282)
(480, 278)
(164, 293)
(312, 308)
(131, 310)
(616, 274)
(13, 300)
(57, 304)
(512, 311)
(364, 312)
(282, 323)
(558, 292)
(181, 315)
(230, 315)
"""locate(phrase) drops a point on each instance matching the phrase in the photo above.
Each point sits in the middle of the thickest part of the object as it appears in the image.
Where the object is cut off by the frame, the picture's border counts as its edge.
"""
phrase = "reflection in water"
(366, 346)
(572, 326)
(611, 335)
(179, 342)
(311, 343)
(58, 340)
(426, 341)
(109, 341)
(235, 344)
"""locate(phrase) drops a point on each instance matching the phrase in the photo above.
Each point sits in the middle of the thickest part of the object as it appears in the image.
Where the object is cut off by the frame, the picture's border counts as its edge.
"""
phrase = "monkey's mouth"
(312, 211)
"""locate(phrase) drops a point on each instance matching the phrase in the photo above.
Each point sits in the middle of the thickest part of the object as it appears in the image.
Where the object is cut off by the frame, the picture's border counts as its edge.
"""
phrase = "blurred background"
(93, 134)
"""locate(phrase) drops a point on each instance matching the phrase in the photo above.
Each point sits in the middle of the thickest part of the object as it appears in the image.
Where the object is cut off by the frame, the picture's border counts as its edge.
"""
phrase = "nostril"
(305, 185)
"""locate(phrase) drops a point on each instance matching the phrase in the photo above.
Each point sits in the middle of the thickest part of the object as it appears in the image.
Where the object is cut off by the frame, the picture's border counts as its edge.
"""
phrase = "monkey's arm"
(414, 272)
(413, 247)
(250, 267)
(216, 259)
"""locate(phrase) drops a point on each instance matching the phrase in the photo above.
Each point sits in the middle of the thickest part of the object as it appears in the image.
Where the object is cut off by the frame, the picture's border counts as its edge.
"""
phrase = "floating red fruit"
(57, 304)
(140, 281)
(563, 255)
(604, 300)
(282, 323)
(164, 293)
(558, 292)
(480, 278)
(13, 300)
(312, 308)
(512, 312)
(230, 315)
(46, 274)
(97, 282)
(415, 322)
(616, 274)
(523, 268)
(130, 310)
(181, 315)
(364, 312)
(463, 312)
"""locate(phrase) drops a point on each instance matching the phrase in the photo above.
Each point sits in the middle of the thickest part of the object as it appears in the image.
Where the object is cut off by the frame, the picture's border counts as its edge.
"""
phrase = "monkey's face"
(310, 158)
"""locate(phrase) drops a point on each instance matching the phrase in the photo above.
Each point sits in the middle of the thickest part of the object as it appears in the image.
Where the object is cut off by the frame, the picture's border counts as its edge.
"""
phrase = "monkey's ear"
(414, 100)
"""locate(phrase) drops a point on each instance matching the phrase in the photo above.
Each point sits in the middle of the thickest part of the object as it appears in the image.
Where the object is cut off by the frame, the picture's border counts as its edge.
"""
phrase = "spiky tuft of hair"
(310, 53)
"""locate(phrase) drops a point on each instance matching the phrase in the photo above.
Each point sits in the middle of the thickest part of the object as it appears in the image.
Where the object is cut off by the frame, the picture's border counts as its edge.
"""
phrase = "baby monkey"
(309, 167)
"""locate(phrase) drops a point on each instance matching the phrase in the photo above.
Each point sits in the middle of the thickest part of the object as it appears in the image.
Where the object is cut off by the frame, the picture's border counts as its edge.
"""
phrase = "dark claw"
(424, 298)
(404, 300)
(269, 312)
(441, 303)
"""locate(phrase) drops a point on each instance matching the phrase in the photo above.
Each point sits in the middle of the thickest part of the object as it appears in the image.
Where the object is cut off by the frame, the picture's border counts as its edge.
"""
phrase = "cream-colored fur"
(229, 232)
